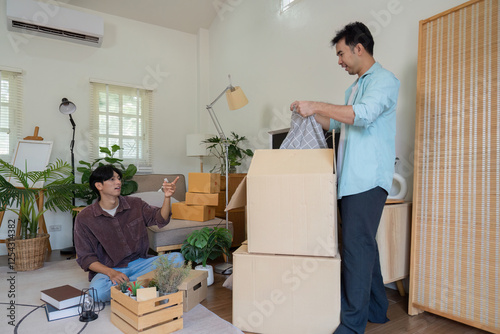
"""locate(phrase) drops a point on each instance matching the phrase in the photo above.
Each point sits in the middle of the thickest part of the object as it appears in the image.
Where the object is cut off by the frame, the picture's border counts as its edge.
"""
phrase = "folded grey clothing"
(305, 133)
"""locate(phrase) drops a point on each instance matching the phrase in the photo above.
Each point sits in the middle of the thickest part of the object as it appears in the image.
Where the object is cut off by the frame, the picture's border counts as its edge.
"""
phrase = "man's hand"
(169, 188)
(117, 277)
(303, 108)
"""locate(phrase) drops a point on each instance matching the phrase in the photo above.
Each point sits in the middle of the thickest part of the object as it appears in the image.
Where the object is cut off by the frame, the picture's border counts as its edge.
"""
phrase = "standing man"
(111, 238)
(365, 168)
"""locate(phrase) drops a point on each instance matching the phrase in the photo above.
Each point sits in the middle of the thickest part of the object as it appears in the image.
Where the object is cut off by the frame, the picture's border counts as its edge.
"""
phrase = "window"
(11, 98)
(121, 115)
(285, 4)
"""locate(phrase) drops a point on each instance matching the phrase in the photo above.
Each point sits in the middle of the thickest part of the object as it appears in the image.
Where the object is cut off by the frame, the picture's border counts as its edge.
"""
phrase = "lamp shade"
(195, 146)
(67, 107)
(236, 99)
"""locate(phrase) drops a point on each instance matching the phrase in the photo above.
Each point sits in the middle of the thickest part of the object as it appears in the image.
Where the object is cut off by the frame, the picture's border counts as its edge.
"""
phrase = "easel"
(39, 201)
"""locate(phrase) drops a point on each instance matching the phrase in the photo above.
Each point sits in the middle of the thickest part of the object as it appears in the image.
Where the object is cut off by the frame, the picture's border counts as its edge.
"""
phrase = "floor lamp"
(67, 108)
(236, 99)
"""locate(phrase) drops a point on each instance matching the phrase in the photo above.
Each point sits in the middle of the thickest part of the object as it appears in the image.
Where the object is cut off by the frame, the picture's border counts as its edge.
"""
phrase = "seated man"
(111, 238)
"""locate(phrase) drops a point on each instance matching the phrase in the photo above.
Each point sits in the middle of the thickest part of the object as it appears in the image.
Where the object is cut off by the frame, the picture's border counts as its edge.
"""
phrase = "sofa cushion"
(154, 198)
(175, 232)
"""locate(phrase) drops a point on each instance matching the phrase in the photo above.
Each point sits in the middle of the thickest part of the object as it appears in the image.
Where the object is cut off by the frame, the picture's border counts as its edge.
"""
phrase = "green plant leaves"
(206, 243)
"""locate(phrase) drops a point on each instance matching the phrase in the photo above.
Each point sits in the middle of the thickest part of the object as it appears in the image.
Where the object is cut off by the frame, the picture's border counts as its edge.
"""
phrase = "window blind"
(122, 115)
(11, 112)
(455, 257)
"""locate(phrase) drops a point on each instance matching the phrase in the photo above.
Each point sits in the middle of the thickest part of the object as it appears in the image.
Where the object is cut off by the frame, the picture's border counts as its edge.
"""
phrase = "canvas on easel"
(32, 155)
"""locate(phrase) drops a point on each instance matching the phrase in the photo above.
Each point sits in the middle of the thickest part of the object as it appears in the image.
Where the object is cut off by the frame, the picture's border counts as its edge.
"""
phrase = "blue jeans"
(102, 284)
(362, 287)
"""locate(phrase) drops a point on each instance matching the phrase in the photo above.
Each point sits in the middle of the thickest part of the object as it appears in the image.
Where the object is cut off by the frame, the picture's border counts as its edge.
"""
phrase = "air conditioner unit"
(49, 20)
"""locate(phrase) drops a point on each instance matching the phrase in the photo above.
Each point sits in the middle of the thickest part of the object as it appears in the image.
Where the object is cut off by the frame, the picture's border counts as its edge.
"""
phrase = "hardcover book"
(61, 297)
(55, 314)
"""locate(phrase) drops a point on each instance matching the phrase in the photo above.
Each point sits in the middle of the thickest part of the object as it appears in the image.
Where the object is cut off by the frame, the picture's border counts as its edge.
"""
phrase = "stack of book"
(61, 302)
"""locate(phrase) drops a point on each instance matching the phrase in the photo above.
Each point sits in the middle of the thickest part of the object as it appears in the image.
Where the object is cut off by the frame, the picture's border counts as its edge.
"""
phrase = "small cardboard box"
(285, 294)
(208, 183)
(194, 287)
(291, 194)
(199, 213)
(202, 199)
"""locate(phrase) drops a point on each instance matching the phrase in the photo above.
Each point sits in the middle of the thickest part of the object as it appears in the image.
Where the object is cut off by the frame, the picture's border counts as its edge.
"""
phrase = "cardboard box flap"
(195, 276)
(239, 198)
(280, 162)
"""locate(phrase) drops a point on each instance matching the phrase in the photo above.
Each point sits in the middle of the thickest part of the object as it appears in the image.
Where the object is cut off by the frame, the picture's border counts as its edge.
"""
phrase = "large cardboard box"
(208, 183)
(199, 213)
(291, 198)
(202, 199)
(194, 287)
(285, 294)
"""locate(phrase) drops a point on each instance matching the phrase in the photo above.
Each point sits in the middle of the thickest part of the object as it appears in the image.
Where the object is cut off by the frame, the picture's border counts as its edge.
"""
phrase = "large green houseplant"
(204, 244)
(235, 152)
(17, 194)
(129, 186)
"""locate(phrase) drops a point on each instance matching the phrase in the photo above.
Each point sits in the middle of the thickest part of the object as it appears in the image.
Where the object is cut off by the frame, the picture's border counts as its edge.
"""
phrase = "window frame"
(143, 113)
(14, 104)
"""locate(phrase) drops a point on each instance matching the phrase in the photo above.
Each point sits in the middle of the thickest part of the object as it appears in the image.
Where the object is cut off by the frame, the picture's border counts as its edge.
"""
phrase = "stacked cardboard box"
(202, 198)
(287, 279)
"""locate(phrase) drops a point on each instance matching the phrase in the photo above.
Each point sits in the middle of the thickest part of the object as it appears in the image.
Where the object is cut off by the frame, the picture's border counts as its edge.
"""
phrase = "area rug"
(22, 311)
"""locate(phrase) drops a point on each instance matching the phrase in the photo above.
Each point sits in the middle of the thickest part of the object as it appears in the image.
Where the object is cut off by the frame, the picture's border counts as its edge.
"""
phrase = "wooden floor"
(219, 301)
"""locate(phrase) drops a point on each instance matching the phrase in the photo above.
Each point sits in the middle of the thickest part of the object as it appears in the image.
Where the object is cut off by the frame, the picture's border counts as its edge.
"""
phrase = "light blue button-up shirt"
(369, 148)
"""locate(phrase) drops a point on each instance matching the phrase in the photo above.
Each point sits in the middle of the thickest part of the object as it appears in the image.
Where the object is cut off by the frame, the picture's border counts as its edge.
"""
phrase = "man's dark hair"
(354, 33)
(101, 174)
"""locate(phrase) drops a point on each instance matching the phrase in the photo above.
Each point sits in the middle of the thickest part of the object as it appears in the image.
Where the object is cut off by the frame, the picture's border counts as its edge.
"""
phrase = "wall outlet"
(55, 228)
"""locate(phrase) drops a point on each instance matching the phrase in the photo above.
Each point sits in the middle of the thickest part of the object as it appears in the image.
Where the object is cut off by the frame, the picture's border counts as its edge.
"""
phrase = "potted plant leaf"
(129, 186)
(204, 244)
(235, 153)
(20, 197)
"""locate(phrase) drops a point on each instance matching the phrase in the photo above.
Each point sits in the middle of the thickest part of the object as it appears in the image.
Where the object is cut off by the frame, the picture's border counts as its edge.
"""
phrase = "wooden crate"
(149, 316)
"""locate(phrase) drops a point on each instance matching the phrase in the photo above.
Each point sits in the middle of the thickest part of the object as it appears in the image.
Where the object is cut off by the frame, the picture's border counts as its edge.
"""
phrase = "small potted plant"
(123, 286)
(168, 276)
(206, 243)
(133, 287)
(235, 153)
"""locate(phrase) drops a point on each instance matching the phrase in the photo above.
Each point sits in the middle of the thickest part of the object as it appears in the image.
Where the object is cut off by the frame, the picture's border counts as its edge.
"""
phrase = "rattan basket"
(29, 254)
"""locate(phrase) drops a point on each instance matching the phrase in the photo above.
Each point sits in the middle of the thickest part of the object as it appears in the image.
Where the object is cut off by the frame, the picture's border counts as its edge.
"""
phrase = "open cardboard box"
(291, 199)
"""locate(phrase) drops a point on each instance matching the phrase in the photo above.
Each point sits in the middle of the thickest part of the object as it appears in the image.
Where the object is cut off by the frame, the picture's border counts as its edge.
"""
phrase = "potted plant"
(58, 191)
(236, 154)
(168, 276)
(206, 243)
(129, 186)
(133, 287)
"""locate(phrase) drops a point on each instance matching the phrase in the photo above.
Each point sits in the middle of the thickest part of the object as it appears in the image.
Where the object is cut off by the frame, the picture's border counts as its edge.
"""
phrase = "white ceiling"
(183, 15)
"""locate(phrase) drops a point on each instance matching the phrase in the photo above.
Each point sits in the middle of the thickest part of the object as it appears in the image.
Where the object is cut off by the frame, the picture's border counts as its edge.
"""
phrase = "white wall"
(132, 53)
(278, 58)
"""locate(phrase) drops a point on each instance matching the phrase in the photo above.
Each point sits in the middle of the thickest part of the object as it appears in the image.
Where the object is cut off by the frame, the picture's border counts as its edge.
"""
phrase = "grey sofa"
(172, 236)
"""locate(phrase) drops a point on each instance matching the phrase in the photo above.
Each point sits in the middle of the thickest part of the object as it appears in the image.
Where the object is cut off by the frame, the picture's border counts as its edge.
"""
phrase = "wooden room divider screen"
(455, 251)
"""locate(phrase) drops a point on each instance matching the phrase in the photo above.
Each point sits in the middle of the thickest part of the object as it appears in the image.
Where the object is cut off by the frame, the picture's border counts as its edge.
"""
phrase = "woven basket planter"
(29, 254)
